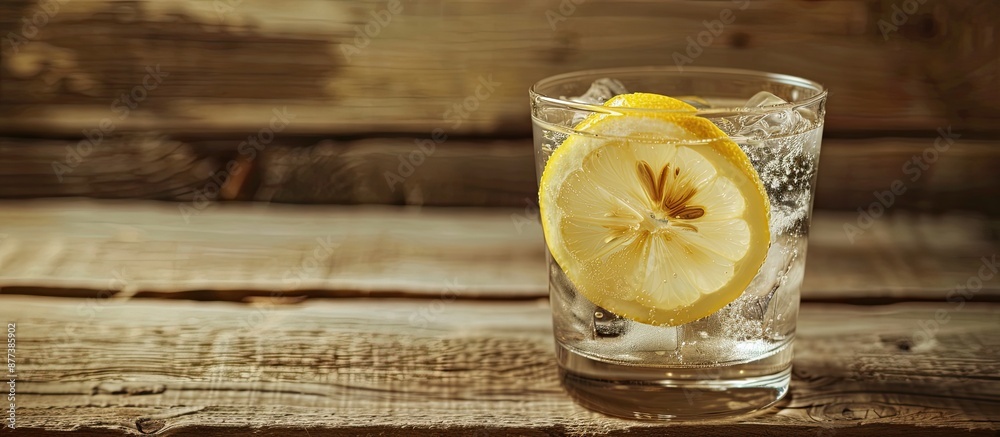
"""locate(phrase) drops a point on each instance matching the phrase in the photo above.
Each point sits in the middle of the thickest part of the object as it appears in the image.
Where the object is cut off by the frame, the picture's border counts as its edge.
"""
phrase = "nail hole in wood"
(740, 40)
(149, 426)
(904, 345)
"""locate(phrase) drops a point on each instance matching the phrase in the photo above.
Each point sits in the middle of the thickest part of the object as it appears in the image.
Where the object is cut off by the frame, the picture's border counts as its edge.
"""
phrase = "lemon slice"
(656, 216)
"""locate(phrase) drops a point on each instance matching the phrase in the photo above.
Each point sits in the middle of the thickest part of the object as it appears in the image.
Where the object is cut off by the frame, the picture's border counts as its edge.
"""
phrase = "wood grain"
(957, 178)
(399, 171)
(229, 64)
(232, 251)
(357, 366)
(144, 166)
(456, 172)
(168, 247)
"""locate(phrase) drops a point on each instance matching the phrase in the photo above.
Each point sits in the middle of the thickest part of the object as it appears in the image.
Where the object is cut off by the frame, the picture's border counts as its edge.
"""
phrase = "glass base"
(672, 393)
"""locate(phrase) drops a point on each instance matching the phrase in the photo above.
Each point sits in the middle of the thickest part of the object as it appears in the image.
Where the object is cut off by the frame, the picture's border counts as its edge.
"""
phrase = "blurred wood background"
(360, 82)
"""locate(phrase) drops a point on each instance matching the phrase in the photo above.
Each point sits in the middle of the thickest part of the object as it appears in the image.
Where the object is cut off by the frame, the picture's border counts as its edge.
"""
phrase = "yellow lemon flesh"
(656, 216)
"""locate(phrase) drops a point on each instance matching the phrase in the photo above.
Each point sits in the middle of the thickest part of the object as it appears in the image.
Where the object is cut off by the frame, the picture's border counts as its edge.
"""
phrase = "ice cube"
(601, 91)
(635, 337)
(607, 324)
(780, 260)
(764, 98)
(648, 338)
(622, 337)
(697, 102)
(760, 126)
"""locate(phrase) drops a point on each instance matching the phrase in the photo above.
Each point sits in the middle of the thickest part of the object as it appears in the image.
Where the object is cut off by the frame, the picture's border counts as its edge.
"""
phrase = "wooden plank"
(376, 366)
(899, 257)
(131, 166)
(957, 178)
(232, 251)
(169, 247)
(226, 66)
(399, 171)
(456, 172)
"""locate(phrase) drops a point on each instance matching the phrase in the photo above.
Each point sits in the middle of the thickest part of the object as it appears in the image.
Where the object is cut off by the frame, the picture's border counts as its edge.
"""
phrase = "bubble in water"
(786, 164)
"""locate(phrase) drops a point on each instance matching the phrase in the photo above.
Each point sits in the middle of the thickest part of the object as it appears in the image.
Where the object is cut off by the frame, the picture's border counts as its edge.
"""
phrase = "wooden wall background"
(227, 66)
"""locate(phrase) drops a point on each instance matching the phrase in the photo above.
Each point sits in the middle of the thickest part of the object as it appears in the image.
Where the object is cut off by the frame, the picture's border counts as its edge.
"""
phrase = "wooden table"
(386, 320)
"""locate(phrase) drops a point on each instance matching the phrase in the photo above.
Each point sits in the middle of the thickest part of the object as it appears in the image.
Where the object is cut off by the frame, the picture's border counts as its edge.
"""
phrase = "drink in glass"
(676, 230)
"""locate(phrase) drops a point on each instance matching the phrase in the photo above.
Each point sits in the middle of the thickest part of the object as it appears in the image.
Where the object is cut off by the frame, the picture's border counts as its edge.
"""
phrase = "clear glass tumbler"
(736, 360)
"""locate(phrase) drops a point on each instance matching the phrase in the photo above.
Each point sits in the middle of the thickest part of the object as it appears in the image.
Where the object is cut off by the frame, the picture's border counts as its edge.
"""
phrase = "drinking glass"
(737, 360)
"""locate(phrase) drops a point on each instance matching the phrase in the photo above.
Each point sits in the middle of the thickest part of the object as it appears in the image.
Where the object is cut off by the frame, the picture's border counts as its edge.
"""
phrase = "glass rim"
(536, 95)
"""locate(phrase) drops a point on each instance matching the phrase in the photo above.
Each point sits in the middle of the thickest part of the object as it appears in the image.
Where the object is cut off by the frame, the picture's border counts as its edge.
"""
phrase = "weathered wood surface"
(441, 367)
(226, 64)
(456, 172)
(291, 170)
(130, 166)
(230, 251)
(169, 247)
